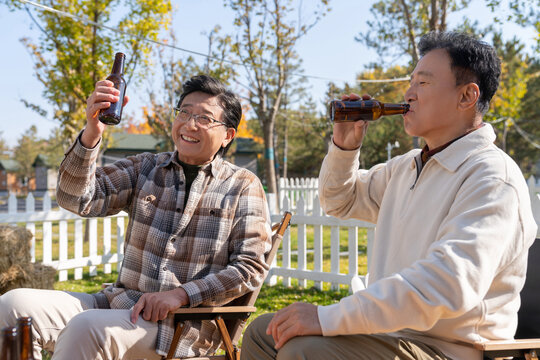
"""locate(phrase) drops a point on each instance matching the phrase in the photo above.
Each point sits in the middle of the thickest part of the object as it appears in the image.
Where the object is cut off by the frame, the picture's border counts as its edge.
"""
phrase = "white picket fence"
(314, 270)
(63, 232)
(67, 229)
(293, 189)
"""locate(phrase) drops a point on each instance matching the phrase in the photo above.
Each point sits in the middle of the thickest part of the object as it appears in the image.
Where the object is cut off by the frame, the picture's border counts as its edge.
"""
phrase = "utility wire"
(526, 136)
(90, 22)
(496, 121)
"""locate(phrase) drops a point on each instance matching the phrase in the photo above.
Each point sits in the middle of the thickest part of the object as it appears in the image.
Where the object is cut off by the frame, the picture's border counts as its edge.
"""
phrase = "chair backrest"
(235, 327)
(529, 312)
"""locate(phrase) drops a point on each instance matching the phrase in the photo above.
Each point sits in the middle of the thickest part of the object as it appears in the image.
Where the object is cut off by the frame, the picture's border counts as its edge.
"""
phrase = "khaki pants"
(256, 345)
(69, 325)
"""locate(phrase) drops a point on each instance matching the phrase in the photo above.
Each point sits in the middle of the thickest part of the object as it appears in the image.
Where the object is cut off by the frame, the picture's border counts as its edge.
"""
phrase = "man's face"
(197, 145)
(434, 98)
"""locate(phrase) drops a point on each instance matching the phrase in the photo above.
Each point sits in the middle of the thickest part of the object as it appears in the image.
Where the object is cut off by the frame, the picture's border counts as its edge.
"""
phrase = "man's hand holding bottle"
(349, 135)
(104, 106)
(103, 96)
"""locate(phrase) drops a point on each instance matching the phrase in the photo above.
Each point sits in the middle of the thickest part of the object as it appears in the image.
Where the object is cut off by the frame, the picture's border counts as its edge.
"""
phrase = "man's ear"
(470, 94)
(231, 132)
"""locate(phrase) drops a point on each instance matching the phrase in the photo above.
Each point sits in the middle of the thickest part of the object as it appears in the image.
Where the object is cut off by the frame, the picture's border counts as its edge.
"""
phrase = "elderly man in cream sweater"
(454, 224)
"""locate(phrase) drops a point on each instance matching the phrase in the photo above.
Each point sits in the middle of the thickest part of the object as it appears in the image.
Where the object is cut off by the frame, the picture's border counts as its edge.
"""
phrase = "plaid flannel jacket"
(214, 247)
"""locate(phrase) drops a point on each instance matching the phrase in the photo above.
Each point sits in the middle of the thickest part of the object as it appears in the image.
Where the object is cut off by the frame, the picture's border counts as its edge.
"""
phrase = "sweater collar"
(427, 153)
(460, 150)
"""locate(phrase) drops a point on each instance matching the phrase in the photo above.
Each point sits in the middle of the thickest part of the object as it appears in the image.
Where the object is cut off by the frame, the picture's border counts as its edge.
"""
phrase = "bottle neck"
(118, 66)
(25, 333)
(10, 346)
(394, 109)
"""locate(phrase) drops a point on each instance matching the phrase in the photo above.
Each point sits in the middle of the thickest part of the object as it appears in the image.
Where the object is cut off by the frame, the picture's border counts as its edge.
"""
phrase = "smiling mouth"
(189, 139)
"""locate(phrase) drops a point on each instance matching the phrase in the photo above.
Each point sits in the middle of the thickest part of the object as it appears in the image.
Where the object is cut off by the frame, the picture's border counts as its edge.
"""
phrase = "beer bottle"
(10, 345)
(24, 325)
(368, 110)
(113, 114)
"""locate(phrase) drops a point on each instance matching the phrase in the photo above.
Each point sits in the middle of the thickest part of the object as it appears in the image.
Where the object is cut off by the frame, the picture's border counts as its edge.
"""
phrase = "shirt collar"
(462, 148)
(426, 153)
(167, 160)
(212, 167)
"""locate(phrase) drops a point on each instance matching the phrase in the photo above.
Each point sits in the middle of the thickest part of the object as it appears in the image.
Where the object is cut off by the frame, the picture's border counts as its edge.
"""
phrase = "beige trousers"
(256, 345)
(68, 325)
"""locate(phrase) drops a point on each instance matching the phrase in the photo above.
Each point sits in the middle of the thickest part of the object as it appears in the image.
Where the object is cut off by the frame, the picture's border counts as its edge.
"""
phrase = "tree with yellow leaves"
(73, 53)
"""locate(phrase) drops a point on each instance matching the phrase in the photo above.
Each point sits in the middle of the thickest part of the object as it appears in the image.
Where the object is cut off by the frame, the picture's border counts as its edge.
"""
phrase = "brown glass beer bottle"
(10, 345)
(368, 110)
(113, 114)
(24, 325)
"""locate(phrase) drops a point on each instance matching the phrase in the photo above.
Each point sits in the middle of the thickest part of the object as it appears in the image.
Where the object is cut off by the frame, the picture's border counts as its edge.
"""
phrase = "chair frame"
(524, 348)
(231, 318)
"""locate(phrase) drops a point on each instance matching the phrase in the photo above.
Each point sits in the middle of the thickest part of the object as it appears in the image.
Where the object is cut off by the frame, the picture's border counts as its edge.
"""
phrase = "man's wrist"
(184, 298)
(88, 139)
(346, 149)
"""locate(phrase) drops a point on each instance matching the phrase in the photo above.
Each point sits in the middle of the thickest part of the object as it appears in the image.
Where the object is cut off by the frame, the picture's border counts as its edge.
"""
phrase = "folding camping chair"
(231, 318)
(527, 342)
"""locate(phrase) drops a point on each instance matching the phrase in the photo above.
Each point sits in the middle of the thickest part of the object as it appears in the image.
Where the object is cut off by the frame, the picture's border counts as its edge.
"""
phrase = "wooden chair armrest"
(210, 313)
(517, 344)
(215, 309)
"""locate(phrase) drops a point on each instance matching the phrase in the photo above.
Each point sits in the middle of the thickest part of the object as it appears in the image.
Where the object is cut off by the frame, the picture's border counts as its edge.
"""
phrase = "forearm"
(345, 191)
(222, 287)
(245, 272)
(77, 176)
(88, 190)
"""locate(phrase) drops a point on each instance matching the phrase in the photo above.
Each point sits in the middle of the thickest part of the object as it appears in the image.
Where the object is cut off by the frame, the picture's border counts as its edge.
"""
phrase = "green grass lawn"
(270, 299)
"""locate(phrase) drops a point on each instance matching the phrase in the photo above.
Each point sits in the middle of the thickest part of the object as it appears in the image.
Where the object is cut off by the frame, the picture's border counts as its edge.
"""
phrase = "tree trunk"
(269, 163)
(434, 19)
(505, 133)
(285, 149)
(444, 6)
(414, 51)
(410, 32)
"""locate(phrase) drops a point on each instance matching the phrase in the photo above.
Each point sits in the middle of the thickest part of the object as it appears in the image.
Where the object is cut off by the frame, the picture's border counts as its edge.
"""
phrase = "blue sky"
(191, 19)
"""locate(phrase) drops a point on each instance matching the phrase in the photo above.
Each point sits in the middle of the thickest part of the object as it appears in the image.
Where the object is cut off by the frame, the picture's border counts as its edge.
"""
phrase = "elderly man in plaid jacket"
(197, 234)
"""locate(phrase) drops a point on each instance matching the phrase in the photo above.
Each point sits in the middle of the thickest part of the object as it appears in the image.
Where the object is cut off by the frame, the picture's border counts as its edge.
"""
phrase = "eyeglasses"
(203, 121)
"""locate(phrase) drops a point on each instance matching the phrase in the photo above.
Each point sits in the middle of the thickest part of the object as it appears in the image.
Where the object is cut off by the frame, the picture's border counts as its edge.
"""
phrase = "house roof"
(135, 142)
(41, 160)
(9, 165)
(246, 146)
(145, 142)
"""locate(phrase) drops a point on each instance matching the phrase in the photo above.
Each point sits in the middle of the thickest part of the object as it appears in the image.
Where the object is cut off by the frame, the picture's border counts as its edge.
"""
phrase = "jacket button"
(164, 268)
